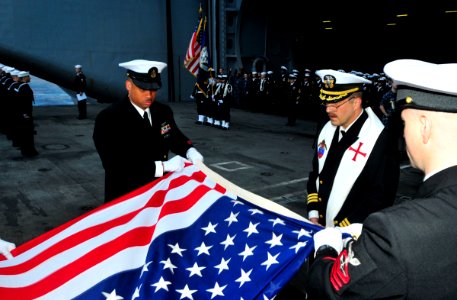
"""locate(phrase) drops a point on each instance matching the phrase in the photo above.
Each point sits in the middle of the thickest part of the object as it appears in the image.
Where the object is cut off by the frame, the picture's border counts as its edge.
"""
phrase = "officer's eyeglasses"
(338, 104)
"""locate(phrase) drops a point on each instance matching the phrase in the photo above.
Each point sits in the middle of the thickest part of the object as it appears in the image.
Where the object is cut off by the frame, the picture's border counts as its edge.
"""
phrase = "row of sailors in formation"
(213, 100)
(16, 106)
(259, 90)
(263, 88)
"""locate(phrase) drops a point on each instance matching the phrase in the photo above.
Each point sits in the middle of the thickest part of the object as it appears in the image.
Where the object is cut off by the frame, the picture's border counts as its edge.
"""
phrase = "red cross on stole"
(357, 151)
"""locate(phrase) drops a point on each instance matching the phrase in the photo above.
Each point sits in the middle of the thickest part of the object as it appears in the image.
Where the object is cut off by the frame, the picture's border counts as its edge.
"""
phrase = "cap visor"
(150, 86)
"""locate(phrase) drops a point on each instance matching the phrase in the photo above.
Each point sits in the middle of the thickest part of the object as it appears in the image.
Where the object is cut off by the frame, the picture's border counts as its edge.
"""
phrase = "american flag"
(192, 59)
(184, 236)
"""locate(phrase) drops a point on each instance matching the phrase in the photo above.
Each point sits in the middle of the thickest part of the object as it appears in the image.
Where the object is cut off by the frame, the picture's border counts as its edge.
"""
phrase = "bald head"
(430, 139)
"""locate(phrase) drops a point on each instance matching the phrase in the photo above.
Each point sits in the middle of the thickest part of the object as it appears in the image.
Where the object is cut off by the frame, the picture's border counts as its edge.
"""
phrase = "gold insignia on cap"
(336, 95)
(409, 100)
(329, 81)
(153, 72)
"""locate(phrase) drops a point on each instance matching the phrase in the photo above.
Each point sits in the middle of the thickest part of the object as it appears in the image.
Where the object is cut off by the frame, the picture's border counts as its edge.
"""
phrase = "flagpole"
(213, 33)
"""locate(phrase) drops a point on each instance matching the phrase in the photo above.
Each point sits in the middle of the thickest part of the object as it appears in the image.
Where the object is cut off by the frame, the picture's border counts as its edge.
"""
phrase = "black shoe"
(198, 122)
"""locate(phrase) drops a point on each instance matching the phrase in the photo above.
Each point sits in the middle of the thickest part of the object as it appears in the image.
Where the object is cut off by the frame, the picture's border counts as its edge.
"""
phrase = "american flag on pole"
(192, 59)
(188, 235)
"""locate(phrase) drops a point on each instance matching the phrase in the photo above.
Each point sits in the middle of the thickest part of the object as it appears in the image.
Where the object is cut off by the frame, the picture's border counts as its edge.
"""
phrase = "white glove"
(329, 236)
(194, 156)
(354, 229)
(6, 248)
(174, 164)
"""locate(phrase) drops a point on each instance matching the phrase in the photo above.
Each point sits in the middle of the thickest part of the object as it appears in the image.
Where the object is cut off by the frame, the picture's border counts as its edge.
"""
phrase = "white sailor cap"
(78, 66)
(283, 68)
(145, 73)
(269, 72)
(9, 70)
(15, 73)
(339, 85)
(424, 85)
(263, 73)
(23, 74)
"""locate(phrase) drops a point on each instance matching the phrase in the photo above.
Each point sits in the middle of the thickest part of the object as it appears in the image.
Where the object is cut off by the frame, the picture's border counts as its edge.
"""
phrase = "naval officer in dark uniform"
(133, 137)
(24, 108)
(355, 166)
(79, 83)
(407, 251)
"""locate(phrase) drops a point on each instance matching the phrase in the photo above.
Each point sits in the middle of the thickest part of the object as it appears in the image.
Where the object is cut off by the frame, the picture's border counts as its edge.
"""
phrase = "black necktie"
(146, 119)
(342, 134)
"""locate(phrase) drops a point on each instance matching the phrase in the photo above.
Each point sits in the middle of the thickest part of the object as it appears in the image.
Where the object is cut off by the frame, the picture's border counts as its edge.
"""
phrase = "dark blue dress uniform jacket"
(128, 148)
(407, 251)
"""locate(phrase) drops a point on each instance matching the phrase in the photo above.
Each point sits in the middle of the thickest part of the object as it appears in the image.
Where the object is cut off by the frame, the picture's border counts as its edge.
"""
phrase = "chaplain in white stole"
(352, 160)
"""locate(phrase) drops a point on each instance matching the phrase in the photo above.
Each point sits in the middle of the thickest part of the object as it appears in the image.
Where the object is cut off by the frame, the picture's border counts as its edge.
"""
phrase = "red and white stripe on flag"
(192, 60)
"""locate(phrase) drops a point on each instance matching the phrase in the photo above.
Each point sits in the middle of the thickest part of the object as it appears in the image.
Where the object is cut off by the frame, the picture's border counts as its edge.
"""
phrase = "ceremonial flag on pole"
(192, 59)
(189, 235)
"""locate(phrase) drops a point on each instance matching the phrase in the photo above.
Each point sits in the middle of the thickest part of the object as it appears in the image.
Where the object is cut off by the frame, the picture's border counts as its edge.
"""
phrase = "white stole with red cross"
(352, 162)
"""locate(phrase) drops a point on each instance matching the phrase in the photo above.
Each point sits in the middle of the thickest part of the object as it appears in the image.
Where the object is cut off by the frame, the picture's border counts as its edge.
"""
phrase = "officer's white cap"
(143, 66)
(424, 85)
(15, 73)
(339, 85)
(145, 74)
(342, 77)
(78, 66)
